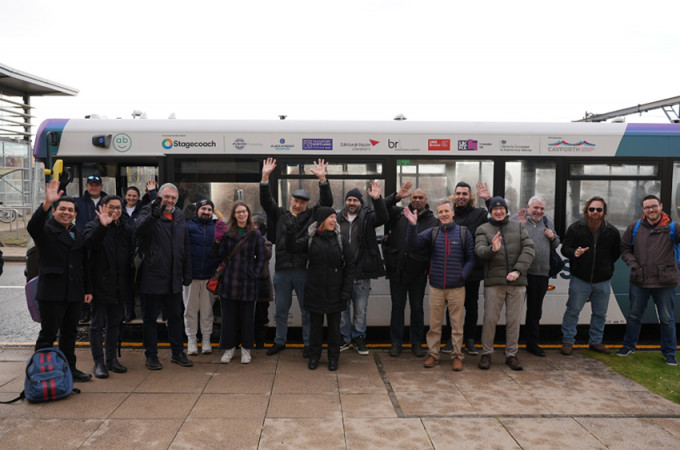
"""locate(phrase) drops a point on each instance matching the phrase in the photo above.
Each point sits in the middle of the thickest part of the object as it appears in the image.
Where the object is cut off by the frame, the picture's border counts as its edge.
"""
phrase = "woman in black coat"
(330, 278)
(110, 258)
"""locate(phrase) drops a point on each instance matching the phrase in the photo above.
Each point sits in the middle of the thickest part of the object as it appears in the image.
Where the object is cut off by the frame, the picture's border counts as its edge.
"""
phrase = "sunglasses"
(595, 209)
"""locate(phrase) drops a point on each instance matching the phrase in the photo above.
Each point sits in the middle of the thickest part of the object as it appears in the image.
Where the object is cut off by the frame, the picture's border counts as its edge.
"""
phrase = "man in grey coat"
(542, 232)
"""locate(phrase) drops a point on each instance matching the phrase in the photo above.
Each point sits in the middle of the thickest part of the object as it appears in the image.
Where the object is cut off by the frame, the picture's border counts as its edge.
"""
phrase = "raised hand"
(405, 190)
(319, 170)
(156, 208)
(52, 194)
(151, 185)
(268, 166)
(375, 190)
(104, 217)
(483, 190)
(496, 242)
(522, 215)
(410, 216)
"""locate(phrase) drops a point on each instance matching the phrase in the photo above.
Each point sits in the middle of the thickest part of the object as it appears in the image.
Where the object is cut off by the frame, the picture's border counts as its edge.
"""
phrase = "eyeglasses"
(115, 208)
(241, 212)
(595, 209)
(651, 207)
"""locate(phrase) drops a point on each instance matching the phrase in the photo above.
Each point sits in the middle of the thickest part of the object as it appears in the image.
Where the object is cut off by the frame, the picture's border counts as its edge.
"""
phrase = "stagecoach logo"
(317, 144)
(122, 142)
(558, 144)
(467, 145)
(239, 144)
(169, 143)
(439, 144)
(282, 145)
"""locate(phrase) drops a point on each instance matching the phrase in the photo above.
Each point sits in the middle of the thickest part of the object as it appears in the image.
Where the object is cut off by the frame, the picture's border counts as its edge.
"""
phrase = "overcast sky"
(346, 60)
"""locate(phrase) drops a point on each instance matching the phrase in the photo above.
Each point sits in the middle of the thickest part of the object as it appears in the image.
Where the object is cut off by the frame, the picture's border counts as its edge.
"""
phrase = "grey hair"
(536, 198)
(446, 201)
(167, 186)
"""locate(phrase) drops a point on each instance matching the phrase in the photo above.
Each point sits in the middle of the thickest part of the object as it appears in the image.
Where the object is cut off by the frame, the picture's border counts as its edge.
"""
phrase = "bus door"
(623, 186)
(137, 176)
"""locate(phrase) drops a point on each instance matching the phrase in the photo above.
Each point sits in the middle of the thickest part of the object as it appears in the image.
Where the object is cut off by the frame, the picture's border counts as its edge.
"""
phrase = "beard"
(594, 223)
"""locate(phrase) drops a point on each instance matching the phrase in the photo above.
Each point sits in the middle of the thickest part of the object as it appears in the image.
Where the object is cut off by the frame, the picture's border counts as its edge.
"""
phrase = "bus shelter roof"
(15, 82)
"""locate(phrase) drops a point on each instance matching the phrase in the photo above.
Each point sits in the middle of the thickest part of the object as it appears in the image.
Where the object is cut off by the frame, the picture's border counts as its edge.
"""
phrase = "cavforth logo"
(576, 144)
(467, 145)
(122, 142)
(169, 143)
(439, 144)
(317, 144)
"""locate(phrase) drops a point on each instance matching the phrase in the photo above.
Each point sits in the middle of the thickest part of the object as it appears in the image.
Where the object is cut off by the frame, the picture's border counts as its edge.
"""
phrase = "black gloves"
(156, 208)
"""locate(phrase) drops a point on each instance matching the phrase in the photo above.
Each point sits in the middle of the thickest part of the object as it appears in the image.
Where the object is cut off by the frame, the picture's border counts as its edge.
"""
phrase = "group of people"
(329, 258)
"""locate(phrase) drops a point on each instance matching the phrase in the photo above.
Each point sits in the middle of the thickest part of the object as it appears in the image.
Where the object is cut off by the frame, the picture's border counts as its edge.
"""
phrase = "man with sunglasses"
(648, 248)
(592, 245)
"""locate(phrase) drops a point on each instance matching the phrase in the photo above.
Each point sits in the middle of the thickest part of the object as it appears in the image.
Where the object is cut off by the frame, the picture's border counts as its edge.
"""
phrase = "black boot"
(114, 366)
(100, 370)
(332, 365)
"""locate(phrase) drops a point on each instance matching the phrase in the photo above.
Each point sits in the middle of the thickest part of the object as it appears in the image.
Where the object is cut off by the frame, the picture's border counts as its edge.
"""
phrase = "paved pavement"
(371, 402)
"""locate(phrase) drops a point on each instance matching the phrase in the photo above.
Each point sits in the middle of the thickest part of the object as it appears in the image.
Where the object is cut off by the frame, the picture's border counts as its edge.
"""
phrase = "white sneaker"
(206, 346)
(245, 356)
(192, 347)
(227, 356)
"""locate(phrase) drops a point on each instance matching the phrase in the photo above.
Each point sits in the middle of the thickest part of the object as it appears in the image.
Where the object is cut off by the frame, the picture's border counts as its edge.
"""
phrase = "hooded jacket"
(652, 258)
(360, 234)
(596, 264)
(516, 252)
(330, 275)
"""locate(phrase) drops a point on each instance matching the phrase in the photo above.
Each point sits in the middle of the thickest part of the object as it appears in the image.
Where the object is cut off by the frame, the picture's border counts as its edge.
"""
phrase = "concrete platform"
(371, 402)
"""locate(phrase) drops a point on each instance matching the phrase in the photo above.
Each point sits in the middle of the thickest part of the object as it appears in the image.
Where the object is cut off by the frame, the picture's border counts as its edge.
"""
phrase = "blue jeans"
(284, 282)
(414, 290)
(663, 299)
(579, 293)
(352, 328)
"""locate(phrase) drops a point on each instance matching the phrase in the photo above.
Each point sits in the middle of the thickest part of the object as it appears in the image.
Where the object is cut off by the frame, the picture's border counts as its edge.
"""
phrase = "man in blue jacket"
(198, 301)
(451, 262)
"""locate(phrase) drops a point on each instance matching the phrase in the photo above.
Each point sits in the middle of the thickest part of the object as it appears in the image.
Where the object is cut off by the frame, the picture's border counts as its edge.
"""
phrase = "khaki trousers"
(439, 299)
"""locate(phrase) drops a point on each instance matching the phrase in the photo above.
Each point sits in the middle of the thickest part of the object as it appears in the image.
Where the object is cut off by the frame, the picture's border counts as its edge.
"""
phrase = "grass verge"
(647, 368)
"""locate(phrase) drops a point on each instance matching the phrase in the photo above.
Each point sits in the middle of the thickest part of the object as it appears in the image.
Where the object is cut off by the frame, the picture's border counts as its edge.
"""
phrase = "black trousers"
(237, 315)
(171, 304)
(537, 286)
(62, 318)
(471, 309)
(107, 316)
(316, 335)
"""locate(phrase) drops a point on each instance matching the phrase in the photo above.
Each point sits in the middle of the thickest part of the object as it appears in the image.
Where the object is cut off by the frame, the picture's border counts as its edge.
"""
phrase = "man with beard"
(648, 247)
(358, 223)
(468, 215)
(592, 245)
(198, 301)
(507, 251)
(407, 268)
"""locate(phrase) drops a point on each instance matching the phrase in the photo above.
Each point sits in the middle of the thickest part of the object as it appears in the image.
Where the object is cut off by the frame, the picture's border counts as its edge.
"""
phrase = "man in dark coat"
(87, 205)
(290, 268)
(162, 234)
(470, 216)
(407, 268)
(110, 273)
(358, 223)
(64, 280)
(592, 245)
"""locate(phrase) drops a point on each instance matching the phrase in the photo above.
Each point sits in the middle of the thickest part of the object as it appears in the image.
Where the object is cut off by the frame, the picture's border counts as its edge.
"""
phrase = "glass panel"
(305, 168)
(107, 172)
(137, 176)
(614, 170)
(220, 167)
(438, 178)
(223, 195)
(623, 198)
(524, 179)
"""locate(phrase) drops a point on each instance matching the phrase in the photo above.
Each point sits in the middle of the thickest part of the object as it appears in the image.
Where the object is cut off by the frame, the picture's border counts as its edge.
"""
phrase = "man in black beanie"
(358, 223)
